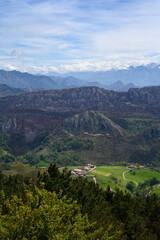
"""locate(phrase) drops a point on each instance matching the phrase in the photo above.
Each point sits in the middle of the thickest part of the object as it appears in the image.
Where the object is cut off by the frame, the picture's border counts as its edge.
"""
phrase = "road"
(127, 179)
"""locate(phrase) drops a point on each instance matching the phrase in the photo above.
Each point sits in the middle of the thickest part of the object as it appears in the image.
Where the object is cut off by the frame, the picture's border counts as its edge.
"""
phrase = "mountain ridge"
(87, 98)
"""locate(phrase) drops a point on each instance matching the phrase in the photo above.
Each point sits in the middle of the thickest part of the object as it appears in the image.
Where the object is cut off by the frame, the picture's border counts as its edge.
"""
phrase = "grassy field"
(113, 176)
(141, 175)
(156, 190)
(21, 169)
(110, 175)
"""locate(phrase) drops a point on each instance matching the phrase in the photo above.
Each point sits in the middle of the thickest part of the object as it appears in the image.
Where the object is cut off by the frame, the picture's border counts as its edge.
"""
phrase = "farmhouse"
(79, 172)
(91, 166)
(86, 168)
(141, 166)
(132, 166)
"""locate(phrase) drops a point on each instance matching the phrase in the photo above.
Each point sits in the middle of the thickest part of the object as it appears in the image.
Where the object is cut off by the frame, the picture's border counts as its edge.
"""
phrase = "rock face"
(14, 125)
(147, 96)
(94, 122)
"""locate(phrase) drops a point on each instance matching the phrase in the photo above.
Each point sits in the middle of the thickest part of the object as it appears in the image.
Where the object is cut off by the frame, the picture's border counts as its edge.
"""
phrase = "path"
(127, 179)
(152, 190)
(95, 180)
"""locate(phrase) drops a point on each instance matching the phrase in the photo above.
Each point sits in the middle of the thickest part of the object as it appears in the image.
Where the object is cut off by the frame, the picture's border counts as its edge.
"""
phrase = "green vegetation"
(62, 151)
(141, 175)
(102, 147)
(134, 125)
(57, 206)
(146, 179)
(114, 180)
(21, 169)
(43, 215)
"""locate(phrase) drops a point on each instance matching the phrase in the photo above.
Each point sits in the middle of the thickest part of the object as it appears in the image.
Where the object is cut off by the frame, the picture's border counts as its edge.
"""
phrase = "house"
(86, 168)
(91, 166)
(79, 172)
(141, 166)
(132, 166)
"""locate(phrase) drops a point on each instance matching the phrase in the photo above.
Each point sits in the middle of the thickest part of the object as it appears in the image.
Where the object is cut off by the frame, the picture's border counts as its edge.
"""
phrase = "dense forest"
(58, 206)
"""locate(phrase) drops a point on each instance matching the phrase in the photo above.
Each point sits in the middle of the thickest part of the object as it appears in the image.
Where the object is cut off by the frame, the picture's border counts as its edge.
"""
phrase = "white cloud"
(10, 67)
(97, 66)
(78, 35)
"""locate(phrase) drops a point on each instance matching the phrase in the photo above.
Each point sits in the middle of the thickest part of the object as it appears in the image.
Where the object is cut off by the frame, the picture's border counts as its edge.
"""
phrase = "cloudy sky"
(78, 35)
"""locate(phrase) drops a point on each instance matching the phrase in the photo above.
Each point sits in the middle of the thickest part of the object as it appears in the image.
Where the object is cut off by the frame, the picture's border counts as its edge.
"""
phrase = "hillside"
(6, 90)
(55, 125)
(92, 122)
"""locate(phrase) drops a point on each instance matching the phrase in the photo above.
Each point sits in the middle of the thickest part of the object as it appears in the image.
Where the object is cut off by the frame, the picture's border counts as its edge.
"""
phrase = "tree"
(44, 215)
(130, 186)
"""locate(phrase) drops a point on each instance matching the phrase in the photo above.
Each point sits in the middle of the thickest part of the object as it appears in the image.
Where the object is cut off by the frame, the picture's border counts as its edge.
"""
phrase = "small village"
(83, 172)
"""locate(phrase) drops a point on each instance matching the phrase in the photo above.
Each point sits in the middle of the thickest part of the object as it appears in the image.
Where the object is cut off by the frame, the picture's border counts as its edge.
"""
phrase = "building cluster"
(134, 167)
(83, 172)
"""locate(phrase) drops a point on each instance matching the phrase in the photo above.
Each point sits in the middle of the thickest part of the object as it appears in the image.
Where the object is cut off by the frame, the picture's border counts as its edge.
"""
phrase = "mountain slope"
(6, 90)
(93, 122)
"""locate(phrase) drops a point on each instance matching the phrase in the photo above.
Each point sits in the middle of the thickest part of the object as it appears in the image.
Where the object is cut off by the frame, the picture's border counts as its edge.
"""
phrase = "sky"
(44, 36)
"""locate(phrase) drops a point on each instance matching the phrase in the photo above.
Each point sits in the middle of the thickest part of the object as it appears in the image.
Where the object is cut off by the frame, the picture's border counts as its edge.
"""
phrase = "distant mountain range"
(140, 76)
(32, 83)
(117, 80)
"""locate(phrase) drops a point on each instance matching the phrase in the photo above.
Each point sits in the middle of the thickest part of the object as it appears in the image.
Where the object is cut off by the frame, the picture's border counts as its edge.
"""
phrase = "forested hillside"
(77, 126)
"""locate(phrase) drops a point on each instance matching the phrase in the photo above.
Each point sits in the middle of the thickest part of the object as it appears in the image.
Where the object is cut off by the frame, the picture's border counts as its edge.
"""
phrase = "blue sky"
(43, 36)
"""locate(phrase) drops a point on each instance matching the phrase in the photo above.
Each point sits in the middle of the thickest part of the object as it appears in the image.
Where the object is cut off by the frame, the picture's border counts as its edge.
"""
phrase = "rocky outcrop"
(147, 96)
(94, 122)
(14, 125)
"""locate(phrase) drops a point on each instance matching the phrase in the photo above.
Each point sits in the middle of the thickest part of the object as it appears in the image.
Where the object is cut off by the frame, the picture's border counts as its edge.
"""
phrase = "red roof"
(77, 170)
(86, 168)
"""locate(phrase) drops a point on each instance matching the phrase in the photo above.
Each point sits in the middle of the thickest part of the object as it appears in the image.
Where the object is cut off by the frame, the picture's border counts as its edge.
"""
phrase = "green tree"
(45, 215)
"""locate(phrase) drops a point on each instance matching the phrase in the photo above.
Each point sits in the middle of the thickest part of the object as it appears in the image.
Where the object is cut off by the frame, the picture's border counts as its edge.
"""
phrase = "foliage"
(4, 141)
(134, 125)
(44, 215)
(139, 216)
(6, 157)
(130, 186)
(35, 213)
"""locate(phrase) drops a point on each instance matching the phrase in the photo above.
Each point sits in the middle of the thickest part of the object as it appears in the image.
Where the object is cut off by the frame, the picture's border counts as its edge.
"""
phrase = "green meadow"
(113, 176)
